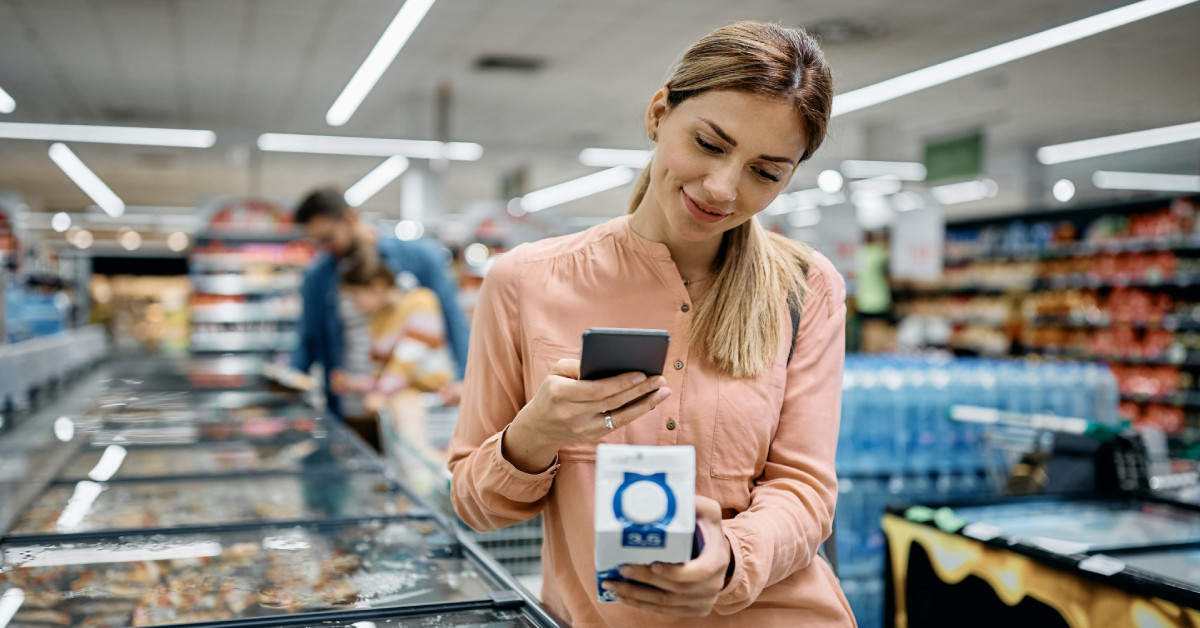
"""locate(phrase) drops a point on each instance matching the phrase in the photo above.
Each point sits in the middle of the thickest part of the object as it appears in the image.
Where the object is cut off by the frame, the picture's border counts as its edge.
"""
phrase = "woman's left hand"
(689, 589)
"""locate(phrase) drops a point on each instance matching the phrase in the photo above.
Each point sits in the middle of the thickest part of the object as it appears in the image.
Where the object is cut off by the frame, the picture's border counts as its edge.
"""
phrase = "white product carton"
(645, 508)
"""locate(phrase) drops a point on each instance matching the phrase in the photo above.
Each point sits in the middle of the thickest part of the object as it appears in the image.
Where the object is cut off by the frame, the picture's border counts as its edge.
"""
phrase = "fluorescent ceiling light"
(381, 56)
(140, 136)
(1110, 180)
(997, 55)
(369, 146)
(879, 186)
(903, 170)
(87, 180)
(576, 189)
(376, 180)
(964, 192)
(78, 505)
(612, 157)
(7, 104)
(1083, 149)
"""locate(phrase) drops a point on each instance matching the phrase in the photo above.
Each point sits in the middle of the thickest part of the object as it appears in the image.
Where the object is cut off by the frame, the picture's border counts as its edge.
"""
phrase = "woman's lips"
(700, 214)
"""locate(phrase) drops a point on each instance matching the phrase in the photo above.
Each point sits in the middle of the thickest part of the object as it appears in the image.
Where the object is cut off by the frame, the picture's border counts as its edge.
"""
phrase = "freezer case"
(1085, 526)
(253, 573)
(88, 506)
(1041, 562)
(288, 451)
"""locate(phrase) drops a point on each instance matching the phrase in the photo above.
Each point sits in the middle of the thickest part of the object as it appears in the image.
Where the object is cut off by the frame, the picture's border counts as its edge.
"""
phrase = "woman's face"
(722, 157)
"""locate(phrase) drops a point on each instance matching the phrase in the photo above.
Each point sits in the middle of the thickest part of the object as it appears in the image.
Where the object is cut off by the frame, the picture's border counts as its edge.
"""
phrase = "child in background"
(409, 355)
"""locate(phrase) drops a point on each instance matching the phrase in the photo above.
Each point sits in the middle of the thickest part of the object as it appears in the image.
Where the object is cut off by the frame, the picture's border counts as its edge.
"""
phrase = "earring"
(653, 136)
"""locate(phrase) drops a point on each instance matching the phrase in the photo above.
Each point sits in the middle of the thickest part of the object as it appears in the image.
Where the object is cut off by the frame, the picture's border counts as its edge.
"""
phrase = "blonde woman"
(745, 106)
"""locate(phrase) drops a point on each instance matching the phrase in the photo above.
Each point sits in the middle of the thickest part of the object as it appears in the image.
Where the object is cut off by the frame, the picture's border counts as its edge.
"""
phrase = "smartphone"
(609, 351)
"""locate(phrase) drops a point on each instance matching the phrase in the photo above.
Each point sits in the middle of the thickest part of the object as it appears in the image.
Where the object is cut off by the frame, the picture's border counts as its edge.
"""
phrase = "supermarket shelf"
(241, 313)
(1083, 249)
(1084, 281)
(967, 289)
(248, 236)
(233, 262)
(1170, 323)
(1183, 400)
(235, 341)
(1066, 282)
(1192, 360)
(234, 285)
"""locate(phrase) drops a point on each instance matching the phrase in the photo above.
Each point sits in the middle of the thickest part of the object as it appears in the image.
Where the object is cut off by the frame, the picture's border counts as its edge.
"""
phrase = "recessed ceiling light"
(1112, 144)
(612, 157)
(60, 222)
(1063, 190)
(830, 181)
(376, 180)
(378, 60)
(864, 169)
(87, 180)
(576, 189)
(141, 136)
(7, 104)
(964, 192)
(369, 146)
(177, 241)
(1151, 181)
(997, 55)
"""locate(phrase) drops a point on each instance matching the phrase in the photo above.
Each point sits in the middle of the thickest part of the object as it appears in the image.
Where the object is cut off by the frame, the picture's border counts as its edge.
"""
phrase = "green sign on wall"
(955, 158)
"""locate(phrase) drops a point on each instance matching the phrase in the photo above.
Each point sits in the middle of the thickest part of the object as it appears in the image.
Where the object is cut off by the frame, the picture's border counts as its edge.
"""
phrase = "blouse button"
(671, 424)
(686, 307)
(678, 365)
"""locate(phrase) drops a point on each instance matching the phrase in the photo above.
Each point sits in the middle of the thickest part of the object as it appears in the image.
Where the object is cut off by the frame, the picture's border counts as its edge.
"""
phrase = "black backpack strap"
(795, 312)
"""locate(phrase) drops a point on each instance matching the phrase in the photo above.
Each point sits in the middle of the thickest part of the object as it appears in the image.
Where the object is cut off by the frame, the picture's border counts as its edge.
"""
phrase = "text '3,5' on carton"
(645, 508)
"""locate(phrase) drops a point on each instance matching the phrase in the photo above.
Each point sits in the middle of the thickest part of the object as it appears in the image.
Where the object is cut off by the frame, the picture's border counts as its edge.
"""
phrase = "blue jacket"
(321, 327)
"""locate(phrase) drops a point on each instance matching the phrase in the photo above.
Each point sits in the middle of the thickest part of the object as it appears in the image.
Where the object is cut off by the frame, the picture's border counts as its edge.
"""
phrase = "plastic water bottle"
(848, 446)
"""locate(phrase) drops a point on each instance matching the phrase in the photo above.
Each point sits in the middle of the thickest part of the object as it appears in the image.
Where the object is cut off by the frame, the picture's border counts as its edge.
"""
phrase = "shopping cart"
(1013, 442)
(422, 466)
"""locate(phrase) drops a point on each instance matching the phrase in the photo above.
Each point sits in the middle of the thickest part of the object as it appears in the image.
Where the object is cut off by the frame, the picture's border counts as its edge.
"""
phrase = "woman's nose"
(722, 182)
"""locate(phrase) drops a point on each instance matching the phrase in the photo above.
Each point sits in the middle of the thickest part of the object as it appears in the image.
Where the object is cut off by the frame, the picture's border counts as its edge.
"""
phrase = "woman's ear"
(655, 112)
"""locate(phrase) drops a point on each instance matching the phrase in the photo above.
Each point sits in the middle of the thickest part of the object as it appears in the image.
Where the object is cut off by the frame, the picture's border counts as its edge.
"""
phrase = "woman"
(745, 106)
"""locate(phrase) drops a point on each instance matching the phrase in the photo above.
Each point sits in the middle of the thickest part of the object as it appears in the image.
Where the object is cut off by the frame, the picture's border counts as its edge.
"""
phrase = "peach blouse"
(764, 445)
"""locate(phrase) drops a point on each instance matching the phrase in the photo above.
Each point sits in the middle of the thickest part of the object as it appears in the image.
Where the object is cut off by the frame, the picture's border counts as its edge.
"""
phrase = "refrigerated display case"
(1047, 561)
(262, 572)
(85, 506)
(296, 452)
(240, 522)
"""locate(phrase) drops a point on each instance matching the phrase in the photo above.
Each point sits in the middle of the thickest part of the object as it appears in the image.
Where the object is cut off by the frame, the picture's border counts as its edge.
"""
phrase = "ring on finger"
(608, 422)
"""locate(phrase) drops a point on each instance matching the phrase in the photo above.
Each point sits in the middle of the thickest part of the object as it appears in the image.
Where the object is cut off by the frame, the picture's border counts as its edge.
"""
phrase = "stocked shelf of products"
(1113, 284)
(245, 308)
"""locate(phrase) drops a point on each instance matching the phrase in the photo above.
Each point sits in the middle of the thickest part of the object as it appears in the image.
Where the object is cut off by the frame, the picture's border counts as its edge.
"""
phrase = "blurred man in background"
(332, 332)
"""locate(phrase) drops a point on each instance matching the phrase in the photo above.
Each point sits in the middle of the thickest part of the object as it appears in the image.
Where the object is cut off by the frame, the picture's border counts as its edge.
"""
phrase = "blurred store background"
(1010, 190)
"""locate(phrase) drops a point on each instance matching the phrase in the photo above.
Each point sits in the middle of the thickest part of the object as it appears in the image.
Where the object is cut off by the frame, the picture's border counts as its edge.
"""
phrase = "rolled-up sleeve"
(792, 502)
(488, 492)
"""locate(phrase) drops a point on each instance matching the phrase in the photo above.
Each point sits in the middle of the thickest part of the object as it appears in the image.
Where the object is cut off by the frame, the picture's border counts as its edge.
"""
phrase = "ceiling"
(244, 67)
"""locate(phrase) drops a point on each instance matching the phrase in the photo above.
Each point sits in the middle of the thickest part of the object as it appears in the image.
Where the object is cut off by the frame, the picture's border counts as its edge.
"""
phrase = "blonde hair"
(737, 319)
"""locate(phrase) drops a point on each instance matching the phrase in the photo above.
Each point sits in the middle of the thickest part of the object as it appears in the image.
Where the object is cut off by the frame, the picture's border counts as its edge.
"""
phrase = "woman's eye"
(774, 178)
(711, 148)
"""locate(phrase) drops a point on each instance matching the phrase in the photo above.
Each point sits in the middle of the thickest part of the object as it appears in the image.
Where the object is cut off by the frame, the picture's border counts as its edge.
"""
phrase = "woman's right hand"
(569, 410)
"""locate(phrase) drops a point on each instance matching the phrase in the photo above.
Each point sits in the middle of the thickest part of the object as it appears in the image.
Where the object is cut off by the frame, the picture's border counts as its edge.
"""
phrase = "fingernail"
(608, 586)
(659, 382)
(662, 394)
(625, 572)
(657, 568)
(638, 378)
